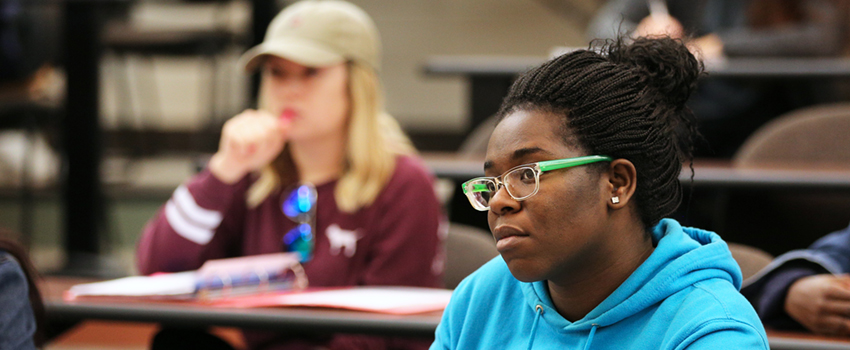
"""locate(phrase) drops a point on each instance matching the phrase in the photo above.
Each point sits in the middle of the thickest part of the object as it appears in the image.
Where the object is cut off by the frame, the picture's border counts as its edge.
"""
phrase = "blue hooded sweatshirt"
(684, 296)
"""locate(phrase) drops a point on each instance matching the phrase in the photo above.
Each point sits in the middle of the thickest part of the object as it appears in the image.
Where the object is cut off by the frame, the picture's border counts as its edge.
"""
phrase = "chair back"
(809, 136)
(782, 220)
(750, 259)
(474, 146)
(467, 248)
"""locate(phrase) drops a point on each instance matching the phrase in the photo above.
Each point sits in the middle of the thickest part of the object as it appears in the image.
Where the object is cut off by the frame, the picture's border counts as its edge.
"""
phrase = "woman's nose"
(502, 203)
(291, 87)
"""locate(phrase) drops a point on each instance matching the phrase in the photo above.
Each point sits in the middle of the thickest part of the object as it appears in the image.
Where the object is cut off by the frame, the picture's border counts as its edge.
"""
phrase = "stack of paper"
(391, 300)
(216, 278)
(261, 281)
(172, 284)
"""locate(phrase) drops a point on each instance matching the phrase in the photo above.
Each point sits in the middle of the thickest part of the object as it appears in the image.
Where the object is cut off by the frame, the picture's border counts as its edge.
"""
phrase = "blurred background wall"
(410, 30)
(160, 112)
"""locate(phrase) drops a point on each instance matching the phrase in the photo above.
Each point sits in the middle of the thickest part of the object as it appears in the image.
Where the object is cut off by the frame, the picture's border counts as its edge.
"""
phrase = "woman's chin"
(525, 271)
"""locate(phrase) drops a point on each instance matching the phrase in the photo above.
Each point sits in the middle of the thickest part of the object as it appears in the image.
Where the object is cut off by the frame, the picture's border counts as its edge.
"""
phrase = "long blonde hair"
(374, 140)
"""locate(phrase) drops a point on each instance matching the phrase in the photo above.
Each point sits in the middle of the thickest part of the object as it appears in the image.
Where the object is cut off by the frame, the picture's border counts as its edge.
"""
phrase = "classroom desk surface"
(763, 67)
(490, 76)
(706, 174)
(194, 315)
(307, 319)
(782, 340)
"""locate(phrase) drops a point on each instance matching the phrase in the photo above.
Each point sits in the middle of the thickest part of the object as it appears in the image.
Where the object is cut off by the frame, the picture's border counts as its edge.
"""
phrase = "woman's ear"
(622, 181)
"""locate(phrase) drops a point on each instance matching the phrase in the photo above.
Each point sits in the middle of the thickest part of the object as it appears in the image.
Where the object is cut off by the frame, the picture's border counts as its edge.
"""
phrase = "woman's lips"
(509, 243)
(288, 114)
(508, 237)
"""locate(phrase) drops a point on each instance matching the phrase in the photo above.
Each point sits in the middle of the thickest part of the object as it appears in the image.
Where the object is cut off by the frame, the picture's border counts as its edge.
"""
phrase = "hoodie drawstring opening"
(590, 337)
(537, 314)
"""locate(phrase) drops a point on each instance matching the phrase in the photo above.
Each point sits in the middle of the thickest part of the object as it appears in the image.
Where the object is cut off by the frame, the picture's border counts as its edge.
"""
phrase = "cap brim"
(304, 52)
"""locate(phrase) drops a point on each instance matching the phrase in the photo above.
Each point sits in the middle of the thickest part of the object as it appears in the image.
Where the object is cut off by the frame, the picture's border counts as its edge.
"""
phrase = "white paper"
(180, 283)
(372, 298)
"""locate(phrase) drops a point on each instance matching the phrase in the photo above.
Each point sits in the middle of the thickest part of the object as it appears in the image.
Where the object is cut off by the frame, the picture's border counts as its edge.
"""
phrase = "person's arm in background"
(203, 219)
(821, 303)
(406, 251)
(803, 288)
(820, 34)
(617, 16)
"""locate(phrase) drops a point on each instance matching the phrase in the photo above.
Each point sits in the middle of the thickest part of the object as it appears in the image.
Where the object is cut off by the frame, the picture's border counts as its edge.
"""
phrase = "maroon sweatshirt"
(398, 240)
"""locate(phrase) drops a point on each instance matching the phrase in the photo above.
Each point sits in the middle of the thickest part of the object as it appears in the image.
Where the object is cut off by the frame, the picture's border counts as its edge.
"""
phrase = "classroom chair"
(777, 221)
(750, 259)
(467, 248)
(812, 136)
(474, 146)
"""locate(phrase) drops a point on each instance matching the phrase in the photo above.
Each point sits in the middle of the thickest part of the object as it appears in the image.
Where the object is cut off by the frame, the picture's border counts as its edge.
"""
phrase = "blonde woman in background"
(373, 217)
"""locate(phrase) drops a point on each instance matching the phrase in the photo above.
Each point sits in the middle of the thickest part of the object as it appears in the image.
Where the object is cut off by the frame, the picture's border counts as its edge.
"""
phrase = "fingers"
(821, 303)
(832, 325)
(843, 279)
(836, 298)
(837, 307)
(252, 128)
(253, 138)
(838, 289)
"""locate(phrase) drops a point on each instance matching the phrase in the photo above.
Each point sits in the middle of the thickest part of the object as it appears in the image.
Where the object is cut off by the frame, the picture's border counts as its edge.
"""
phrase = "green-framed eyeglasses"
(521, 181)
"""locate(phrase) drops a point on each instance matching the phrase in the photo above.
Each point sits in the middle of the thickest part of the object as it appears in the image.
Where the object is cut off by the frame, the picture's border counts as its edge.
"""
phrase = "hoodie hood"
(683, 256)
(685, 295)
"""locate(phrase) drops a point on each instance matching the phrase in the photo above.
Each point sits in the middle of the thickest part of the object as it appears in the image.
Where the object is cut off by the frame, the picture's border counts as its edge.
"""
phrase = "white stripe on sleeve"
(202, 217)
(186, 228)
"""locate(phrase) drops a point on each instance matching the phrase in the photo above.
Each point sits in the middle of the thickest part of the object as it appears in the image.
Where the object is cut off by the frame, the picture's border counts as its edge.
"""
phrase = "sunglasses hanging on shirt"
(299, 206)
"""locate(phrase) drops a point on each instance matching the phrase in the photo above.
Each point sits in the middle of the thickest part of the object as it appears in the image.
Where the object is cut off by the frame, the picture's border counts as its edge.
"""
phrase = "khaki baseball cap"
(318, 33)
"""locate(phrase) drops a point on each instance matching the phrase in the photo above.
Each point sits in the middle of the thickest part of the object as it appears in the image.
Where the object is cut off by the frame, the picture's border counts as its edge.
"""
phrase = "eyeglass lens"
(300, 206)
(520, 183)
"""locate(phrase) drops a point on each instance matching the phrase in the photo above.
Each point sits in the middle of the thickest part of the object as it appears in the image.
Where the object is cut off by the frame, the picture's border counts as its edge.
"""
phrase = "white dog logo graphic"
(340, 239)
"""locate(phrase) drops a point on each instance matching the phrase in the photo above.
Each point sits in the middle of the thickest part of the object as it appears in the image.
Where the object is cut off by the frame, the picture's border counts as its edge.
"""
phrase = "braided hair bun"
(668, 66)
(624, 101)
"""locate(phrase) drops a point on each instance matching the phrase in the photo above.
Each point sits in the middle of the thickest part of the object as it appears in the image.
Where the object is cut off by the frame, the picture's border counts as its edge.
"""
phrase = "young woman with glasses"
(582, 168)
(364, 212)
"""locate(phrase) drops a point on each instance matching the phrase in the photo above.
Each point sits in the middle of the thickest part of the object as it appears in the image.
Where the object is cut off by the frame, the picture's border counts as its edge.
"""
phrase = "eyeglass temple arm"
(571, 162)
(544, 166)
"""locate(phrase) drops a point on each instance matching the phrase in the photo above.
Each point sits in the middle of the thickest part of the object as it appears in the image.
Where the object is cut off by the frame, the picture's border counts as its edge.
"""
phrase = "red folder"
(382, 299)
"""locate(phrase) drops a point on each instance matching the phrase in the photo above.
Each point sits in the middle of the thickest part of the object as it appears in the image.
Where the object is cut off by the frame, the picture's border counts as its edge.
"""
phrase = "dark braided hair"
(624, 101)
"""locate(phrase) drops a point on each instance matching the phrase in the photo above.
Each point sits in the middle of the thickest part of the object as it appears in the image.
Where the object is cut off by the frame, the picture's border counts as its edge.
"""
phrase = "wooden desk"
(304, 319)
(721, 198)
(780, 340)
(490, 76)
(183, 314)
(766, 67)
(706, 174)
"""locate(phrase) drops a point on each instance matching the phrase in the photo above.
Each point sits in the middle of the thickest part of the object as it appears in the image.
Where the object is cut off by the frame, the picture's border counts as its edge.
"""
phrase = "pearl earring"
(615, 200)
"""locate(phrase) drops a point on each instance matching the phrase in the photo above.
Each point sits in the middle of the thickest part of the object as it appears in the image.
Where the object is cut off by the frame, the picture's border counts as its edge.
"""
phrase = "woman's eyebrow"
(523, 152)
(487, 165)
(519, 154)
